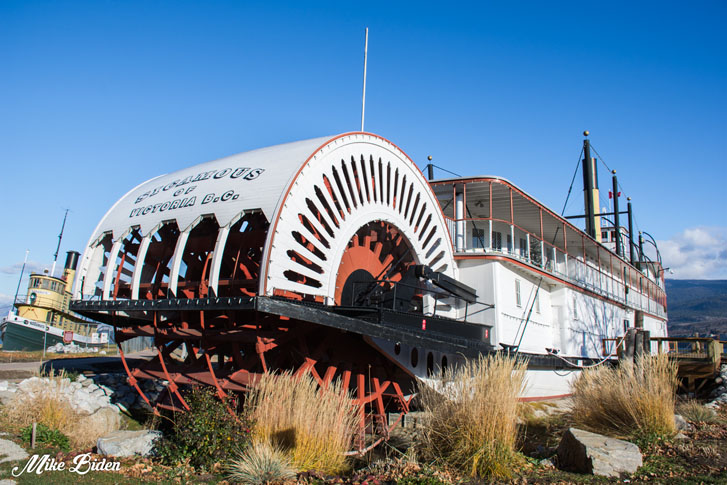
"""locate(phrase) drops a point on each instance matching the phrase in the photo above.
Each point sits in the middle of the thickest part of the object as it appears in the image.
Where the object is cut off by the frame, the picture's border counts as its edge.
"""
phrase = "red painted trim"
(543, 398)
(551, 276)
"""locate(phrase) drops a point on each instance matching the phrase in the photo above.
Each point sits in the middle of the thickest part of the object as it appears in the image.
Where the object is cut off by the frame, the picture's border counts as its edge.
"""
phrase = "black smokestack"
(72, 260)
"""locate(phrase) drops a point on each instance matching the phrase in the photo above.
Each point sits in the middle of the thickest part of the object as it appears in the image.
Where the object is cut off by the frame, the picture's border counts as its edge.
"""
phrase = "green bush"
(46, 436)
(206, 434)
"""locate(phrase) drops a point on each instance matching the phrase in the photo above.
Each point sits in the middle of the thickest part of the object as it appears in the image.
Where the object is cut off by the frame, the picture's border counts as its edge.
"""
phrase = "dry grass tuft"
(312, 425)
(629, 400)
(45, 409)
(695, 412)
(50, 407)
(473, 416)
(261, 464)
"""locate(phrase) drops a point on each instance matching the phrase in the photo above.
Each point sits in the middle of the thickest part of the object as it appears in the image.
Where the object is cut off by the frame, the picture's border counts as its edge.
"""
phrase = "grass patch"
(47, 436)
(9, 356)
(260, 464)
(693, 411)
(48, 408)
(47, 404)
(473, 417)
(313, 425)
(635, 400)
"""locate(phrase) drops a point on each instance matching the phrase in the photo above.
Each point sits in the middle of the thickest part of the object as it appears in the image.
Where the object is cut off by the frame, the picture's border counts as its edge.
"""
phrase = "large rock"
(681, 424)
(128, 443)
(585, 452)
(102, 422)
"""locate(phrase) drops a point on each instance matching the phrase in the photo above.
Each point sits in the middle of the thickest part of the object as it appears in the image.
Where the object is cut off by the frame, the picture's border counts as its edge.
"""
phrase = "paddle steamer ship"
(336, 256)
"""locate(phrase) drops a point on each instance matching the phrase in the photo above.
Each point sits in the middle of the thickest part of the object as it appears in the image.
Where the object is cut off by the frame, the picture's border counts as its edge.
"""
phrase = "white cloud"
(696, 253)
(30, 267)
(6, 301)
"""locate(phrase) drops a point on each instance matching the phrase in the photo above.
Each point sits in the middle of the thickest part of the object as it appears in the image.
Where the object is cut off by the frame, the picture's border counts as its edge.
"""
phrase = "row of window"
(605, 234)
(414, 360)
(47, 284)
(478, 242)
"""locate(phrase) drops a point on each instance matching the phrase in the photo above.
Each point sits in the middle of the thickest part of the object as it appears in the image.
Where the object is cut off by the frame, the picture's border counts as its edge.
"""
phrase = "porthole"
(444, 363)
(430, 364)
(414, 357)
(397, 348)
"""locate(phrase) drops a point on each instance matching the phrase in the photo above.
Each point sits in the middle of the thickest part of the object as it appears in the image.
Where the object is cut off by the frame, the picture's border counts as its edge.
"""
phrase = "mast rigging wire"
(578, 163)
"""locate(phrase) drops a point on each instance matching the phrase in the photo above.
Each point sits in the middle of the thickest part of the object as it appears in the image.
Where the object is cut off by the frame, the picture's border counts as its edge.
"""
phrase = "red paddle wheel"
(275, 260)
(230, 349)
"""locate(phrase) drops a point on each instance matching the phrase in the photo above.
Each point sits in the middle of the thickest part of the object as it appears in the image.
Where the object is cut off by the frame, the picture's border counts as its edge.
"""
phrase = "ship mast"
(22, 271)
(60, 238)
(590, 191)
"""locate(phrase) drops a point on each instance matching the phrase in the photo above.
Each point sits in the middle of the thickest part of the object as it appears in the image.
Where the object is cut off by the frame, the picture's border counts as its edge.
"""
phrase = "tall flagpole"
(363, 98)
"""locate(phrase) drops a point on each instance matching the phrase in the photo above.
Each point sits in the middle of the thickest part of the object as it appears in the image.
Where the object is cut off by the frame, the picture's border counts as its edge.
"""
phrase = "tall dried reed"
(633, 399)
(44, 404)
(313, 425)
(473, 416)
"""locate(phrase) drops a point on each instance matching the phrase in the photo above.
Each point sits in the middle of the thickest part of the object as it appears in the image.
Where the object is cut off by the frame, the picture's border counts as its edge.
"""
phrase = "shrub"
(473, 416)
(205, 434)
(693, 411)
(635, 400)
(260, 464)
(47, 436)
(313, 425)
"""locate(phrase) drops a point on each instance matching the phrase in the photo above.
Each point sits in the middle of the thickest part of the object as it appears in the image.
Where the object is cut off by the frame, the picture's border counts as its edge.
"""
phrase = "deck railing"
(54, 304)
(686, 348)
(634, 292)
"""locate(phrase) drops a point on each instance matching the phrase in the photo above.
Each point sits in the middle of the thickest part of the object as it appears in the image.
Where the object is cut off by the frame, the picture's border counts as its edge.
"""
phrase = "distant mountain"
(697, 306)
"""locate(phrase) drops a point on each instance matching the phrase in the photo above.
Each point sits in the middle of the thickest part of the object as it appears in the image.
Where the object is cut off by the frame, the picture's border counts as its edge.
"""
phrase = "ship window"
(496, 241)
(523, 247)
(397, 348)
(430, 364)
(478, 238)
(518, 300)
(604, 235)
(509, 243)
(613, 236)
(414, 357)
(444, 363)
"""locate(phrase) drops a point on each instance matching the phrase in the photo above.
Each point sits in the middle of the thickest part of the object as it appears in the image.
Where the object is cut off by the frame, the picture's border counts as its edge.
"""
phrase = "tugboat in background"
(42, 319)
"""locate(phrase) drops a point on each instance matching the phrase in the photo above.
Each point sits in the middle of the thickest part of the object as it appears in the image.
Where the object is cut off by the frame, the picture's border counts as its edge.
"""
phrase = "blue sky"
(96, 97)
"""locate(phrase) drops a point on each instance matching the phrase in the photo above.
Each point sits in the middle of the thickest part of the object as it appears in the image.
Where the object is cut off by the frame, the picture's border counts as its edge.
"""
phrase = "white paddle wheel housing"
(190, 258)
(352, 182)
